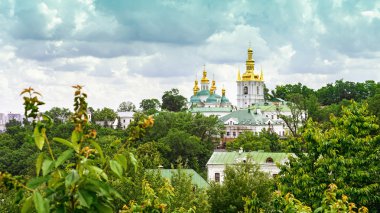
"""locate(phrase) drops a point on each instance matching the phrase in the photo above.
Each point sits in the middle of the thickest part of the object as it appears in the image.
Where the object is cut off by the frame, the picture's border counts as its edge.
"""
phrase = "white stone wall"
(269, 168)
(255, 93)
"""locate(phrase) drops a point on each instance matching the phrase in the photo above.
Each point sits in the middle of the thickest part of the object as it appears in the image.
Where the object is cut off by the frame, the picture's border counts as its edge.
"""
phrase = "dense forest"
(59, 161)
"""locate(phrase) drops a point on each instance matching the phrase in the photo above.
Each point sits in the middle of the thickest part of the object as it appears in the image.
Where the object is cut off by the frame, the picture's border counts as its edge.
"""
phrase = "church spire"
(261, 75)
(250, 63)
(238, 75)
(204, 78)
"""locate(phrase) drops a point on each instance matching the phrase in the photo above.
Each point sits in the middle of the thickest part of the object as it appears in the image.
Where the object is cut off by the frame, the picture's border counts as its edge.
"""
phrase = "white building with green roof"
(252, 120)
(266, 160)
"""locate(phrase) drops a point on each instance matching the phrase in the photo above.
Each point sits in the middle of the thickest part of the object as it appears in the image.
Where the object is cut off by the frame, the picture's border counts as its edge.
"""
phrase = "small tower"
(204, 80)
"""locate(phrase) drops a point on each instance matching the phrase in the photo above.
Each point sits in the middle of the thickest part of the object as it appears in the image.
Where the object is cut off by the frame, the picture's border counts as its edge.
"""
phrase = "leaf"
(102, 207)
(75, 137)
(133, 161)
(116, 168)
(99, 171)
(85, 198)
(99, 149)
(36, 182)
(122, 160)
(63, 157)
(38, 137)
(39, 203)
(27, 205)
(72, 178)
(47, 165)
(39, 161)
(65, 142)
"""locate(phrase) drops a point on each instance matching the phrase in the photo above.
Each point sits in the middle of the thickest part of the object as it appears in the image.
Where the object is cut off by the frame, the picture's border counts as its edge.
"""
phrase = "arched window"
(245, 90)
(269, 160)
(258, 90)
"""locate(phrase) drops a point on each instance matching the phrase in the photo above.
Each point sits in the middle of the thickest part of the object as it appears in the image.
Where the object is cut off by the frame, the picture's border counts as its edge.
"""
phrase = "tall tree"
(150, 106)
(59, 115)
(345, 154)
(106, 114)
(240, 181)
(173, 101)
(126, 107)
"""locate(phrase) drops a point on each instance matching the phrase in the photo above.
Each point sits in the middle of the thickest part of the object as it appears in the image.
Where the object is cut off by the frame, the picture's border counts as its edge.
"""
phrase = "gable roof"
(196, 179)
(247, 117)
(222, 158)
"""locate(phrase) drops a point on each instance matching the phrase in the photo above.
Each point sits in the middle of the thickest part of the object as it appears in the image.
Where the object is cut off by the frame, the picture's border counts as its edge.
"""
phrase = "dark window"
(217, 177)
(228, 133)
(234, 134)
(269, 160)
(245, 90)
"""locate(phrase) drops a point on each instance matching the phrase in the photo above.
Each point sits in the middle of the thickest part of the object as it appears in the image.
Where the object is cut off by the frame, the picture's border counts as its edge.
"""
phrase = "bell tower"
(250, 86)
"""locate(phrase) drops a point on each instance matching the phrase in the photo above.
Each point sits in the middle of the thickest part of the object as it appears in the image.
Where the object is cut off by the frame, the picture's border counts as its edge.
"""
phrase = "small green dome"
(224, 100)
(203, 93)
(195, 99)
(212, 99)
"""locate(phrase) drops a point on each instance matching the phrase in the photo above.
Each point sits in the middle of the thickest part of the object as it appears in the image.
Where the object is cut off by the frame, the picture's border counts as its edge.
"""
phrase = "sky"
(134, 50)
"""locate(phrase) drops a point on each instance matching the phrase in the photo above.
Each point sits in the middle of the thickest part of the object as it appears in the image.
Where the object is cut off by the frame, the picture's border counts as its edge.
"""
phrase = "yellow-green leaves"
(47, 166)
(63, 157)
(40, 203)
(72, 178)
(39, 160)
(116, 168)
(39, 136)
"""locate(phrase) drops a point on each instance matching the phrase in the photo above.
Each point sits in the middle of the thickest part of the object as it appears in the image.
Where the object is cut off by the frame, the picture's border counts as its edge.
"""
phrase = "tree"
(240, 181)
(106, 114)
(59, 115)
(345, 154)
(249, 141)
(150, 106)
(173, 101)
(284, 91)
(126, 107)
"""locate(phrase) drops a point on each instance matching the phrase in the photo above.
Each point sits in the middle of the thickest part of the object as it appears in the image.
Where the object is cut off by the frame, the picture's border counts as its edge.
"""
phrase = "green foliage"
(249, 141)
(59, 115)
(106, 114)
(173, 101)
(345, 153)
(150, 106)
(76, 180)
(335, 93)
(126, 107)
(191, 136)
(240, 181)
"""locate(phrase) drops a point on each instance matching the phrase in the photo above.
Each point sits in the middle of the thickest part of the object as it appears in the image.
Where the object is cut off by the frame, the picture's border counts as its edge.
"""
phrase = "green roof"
(257, 156)
(210, 109)
(270, 106)
(195, 99)
(212, 99)
(224, 100)
(203, 92)
(196, 179)
(246, 117)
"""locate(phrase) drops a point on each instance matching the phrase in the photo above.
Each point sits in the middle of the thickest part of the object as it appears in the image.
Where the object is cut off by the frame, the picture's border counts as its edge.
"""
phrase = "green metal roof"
(210, 109)
(196, 179)
(257, 156)
(246, 117)
(270, 106)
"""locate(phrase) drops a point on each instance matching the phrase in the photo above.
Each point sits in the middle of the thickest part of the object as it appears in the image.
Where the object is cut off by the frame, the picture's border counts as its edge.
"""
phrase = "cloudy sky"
(132, 50)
